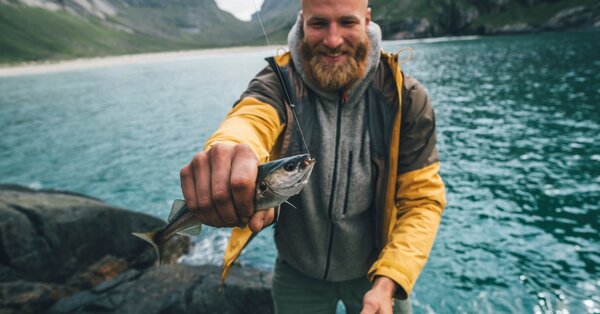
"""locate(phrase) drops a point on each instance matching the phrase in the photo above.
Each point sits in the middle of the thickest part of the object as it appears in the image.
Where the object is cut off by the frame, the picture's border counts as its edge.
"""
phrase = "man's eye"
(348, 23)
(318, 24)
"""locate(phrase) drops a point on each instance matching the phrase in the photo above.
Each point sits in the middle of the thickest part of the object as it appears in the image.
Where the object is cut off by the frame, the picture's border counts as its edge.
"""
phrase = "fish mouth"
(308, 164)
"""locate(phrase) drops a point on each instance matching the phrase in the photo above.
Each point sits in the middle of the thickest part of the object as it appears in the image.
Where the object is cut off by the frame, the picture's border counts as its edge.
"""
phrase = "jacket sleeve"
(256, 119)
(419, 196)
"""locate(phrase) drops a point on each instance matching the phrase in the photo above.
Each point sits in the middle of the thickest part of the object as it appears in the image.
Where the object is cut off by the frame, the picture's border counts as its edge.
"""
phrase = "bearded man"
(364, 225)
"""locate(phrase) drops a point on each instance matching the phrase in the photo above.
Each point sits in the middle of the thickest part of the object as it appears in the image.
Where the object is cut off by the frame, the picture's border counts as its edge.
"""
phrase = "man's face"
(335, 44)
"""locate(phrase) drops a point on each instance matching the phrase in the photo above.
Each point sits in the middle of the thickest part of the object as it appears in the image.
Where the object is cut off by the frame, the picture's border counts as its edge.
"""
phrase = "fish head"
(280, 179)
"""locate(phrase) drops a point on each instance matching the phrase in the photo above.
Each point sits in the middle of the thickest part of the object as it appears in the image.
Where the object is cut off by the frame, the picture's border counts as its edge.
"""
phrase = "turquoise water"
(518, 126)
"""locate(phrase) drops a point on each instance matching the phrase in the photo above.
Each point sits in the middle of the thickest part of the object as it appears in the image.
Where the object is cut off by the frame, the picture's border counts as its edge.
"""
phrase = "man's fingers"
(203, 201)
(188, 186)
(375, 302)
(220, 164)
(244, 169)
(220, 184)
(262, 218)
(386, 308)
(369, 308)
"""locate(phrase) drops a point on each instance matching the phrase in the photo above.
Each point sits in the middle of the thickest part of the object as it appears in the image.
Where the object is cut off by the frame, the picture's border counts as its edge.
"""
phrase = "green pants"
(293, 292)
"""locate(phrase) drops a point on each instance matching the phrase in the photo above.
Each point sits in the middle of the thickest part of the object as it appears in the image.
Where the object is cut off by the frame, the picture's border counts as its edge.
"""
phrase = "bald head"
(361, 3)
(341, 14)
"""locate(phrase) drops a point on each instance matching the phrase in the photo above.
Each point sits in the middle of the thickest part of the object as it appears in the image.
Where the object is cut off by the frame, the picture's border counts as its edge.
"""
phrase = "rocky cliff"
(67, 253)
(417, 19)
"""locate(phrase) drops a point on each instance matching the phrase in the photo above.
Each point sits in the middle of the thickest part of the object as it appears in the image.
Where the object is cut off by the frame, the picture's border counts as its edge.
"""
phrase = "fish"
(276, 182)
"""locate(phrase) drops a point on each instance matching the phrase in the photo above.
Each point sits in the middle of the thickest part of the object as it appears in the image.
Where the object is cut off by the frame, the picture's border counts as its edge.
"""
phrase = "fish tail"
(149, 237)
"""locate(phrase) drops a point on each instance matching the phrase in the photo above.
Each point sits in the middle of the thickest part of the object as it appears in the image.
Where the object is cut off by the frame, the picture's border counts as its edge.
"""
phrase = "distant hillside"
(409, 18)
(42, 29)
(33, 30)
(278, 16)
(428, 18)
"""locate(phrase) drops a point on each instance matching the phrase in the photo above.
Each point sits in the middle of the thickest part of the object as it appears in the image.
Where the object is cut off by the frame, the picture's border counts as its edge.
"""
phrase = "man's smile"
(334, 57)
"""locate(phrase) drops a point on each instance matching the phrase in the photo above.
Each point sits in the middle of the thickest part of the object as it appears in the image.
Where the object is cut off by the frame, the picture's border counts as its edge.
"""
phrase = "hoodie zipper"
(348, 173)
(341, 102)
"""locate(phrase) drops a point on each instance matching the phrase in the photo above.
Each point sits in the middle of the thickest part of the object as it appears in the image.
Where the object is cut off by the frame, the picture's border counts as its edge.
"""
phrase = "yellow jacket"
(409, 203)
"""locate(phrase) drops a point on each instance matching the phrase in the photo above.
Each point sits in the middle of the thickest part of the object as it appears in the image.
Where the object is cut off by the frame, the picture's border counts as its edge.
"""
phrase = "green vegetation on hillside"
(35, 34)
(518, 12)
(30, 34)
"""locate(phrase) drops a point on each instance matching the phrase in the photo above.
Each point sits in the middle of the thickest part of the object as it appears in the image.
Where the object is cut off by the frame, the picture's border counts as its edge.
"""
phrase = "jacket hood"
(295, 37)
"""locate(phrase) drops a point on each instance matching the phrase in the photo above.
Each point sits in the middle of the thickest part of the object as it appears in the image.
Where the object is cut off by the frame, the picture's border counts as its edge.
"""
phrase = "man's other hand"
(379, 299)
(261, 219)
(219, 185)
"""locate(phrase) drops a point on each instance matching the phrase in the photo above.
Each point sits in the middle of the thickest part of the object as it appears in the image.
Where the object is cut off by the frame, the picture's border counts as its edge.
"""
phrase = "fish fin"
(291, 204)
(149, 237)
(191, 231)
(177, 206)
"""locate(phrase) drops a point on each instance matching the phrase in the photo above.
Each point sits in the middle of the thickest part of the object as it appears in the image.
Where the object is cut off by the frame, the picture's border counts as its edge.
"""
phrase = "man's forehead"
(355, 5)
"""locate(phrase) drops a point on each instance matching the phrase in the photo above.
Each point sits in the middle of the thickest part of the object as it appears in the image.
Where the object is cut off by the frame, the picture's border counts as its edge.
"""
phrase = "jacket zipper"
(341, 102)
(345, 211)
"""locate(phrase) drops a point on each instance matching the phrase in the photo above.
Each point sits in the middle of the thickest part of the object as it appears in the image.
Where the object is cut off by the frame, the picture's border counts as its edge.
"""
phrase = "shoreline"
(43, 67)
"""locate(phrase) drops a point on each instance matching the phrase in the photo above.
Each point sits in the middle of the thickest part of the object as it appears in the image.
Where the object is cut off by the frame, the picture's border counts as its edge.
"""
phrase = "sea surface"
(518, 124)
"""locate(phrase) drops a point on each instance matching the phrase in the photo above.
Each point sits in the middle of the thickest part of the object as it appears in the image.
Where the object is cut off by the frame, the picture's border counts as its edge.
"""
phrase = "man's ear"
(368, 16)
(302, 22)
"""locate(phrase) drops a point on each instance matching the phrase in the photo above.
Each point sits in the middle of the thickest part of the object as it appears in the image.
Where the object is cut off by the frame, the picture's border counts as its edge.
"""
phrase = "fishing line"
(292, 106)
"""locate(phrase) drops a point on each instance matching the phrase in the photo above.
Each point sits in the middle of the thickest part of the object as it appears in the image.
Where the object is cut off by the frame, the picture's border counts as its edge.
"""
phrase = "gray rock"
(518, 28)
(68, 253)
(64, 233)
(175, 289)
(454, 17)
(413, 28)
(29, 297)
(575, 17)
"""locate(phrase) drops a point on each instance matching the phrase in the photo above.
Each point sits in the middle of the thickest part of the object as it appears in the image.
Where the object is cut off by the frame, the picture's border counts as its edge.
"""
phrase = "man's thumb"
(261, 219)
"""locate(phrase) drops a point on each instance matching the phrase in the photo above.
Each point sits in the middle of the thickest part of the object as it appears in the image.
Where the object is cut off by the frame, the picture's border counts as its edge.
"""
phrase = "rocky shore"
(456, 18)
(67, 253)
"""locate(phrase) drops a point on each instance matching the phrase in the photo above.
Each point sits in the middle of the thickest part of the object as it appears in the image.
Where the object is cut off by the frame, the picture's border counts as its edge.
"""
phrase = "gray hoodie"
(331, 233)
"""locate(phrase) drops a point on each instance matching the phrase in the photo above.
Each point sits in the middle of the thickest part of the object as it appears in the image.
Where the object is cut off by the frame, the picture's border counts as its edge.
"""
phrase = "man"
(366, 222)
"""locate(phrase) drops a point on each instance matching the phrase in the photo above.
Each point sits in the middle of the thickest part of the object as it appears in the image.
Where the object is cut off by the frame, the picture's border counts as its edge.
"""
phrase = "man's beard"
(335, 76)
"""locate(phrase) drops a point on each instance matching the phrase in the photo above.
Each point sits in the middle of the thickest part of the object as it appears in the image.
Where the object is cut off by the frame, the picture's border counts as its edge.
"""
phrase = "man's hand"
(219, 185)
(379, 299)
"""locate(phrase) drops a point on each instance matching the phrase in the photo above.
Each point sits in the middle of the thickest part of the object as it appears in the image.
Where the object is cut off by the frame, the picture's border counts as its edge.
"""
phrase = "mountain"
(427, 18)
(33, 30)
(409, 19)
(278, 16)
(61, 29)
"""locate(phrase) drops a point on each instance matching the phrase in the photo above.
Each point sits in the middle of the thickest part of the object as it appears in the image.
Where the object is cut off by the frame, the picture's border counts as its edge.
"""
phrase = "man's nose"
(333, 39)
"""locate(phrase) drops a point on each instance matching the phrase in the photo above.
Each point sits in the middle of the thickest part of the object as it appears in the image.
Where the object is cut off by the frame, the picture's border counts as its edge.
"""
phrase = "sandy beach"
(91, 63)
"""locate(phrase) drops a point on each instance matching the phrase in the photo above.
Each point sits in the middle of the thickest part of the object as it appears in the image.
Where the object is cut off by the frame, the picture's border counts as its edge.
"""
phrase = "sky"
(242, 9)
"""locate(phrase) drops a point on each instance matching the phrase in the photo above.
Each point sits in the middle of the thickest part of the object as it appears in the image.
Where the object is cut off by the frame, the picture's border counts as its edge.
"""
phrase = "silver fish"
(276, 181)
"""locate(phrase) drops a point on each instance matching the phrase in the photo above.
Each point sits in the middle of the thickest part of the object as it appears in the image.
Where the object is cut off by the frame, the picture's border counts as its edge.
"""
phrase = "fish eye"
(290, 166)
(262, 187)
